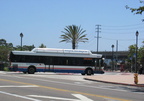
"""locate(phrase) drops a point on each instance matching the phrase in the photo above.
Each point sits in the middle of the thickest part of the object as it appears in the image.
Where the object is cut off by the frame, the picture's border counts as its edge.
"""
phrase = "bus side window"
(17, 58)
(88, 62)
(48, 61)
(71, 61)
(78, 61)
(22, 58)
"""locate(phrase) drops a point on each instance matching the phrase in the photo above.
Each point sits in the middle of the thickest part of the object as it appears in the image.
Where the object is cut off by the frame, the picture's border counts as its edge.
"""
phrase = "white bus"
(56, 60)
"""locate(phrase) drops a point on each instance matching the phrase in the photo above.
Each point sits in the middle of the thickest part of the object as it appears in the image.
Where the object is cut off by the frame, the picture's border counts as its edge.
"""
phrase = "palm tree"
(73, 34)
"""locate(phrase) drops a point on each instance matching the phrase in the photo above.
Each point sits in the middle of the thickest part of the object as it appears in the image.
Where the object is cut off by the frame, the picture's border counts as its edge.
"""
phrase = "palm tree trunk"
(73, 45)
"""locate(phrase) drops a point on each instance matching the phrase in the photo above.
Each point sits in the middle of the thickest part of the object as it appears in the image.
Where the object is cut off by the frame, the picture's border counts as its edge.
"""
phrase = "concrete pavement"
(112, 77)
(117, 78)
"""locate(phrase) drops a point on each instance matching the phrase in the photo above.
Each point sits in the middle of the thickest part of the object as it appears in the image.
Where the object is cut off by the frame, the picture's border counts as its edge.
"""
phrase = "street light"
(137, 33)
(112, 56)
(21, 35)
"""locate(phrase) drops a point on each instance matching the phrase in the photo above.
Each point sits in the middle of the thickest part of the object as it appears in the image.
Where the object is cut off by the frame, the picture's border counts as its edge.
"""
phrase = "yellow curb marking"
(52, 88)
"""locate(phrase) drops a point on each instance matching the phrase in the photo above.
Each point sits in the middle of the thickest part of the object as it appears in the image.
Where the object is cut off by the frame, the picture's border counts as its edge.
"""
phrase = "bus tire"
(89, 71)
(82, 73)
(24, 72)
(31, 70)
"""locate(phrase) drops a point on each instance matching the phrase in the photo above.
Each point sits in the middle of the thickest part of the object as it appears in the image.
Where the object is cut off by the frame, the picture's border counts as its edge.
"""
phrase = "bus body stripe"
(59, 68)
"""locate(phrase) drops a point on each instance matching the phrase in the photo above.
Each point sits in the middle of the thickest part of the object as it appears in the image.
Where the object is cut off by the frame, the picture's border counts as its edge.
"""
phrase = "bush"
(6, 69)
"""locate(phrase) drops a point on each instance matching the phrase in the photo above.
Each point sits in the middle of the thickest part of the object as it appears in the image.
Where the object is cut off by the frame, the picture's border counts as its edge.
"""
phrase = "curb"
(136, 85)
(65, 73)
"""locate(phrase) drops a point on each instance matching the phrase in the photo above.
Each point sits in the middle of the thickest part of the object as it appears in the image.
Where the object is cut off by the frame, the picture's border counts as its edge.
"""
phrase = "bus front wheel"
(82, 73)
(89, 71)
(31, 70)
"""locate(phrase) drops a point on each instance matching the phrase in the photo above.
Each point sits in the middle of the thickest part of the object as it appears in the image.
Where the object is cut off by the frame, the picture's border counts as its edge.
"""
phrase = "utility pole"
(98, 31)
(21, 35)
(116, 54)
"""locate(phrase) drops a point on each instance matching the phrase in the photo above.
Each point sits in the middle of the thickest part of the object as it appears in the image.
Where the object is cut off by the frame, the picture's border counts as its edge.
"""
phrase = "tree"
(138, 10)
(143, 43)
(25, 47)
(74, 35)
(3, 42)
(10, 45)
(18, 48)
(131, 55)
(131, 50)
(42, 46)
(4, 51)
(141, 55)
(28, 48)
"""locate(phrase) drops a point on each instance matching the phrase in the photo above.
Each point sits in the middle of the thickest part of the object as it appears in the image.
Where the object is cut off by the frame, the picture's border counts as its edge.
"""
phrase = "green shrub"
(6, 69)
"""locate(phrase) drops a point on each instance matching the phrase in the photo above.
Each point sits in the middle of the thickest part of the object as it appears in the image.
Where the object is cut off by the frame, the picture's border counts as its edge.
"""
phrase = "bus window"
(88, 61)
(48, 61)
(99, 62)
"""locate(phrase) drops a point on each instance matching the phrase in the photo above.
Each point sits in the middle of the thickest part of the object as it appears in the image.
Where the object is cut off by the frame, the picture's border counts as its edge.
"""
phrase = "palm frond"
(73, 34)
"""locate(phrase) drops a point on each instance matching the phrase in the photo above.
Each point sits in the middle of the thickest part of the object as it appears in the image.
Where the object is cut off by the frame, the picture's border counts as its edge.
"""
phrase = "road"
(62, 87)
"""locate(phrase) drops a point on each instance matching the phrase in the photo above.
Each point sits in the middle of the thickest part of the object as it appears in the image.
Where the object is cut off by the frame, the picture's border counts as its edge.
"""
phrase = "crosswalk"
(64, 76)
(75, 77)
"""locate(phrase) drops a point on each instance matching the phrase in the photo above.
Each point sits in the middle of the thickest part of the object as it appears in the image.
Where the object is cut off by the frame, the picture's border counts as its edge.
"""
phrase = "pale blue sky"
(41, 21)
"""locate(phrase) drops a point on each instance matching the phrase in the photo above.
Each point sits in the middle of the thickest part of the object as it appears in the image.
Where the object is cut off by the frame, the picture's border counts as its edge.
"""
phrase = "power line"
(121, 39)
(125, 25)
(119, 32)
(123, 28)
(142, 27)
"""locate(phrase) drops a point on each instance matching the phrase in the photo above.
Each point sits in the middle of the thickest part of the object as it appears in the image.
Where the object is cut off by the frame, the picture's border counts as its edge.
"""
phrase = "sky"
(42, 22)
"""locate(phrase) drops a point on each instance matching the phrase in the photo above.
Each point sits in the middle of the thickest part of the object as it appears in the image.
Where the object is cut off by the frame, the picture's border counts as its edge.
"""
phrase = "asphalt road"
(62, 87)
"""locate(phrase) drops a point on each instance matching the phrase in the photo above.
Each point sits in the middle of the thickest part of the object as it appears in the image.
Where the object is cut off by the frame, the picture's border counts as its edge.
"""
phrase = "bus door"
(97, 65)
(49, 67)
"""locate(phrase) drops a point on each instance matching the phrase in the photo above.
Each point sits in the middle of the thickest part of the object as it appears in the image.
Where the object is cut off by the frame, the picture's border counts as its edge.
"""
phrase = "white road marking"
(106, 99)
(18, 86)
(99, 87)
(2, 72)
(54, 98)
(15, 95)
(79, 96)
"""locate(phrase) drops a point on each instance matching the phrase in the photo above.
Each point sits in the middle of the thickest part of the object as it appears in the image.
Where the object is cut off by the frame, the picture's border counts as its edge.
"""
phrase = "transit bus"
(56, 60)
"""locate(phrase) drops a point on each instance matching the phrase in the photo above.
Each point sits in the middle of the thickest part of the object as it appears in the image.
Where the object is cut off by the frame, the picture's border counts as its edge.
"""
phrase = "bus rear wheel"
(89, 71)
(31, 70)
(24, 72)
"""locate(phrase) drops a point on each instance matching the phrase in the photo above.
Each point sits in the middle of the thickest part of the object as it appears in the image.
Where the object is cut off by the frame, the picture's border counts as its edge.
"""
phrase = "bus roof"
(58, 52)
(54, 50)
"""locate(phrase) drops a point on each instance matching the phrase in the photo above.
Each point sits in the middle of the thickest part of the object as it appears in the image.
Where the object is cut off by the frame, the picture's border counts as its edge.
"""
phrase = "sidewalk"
(118, 78)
